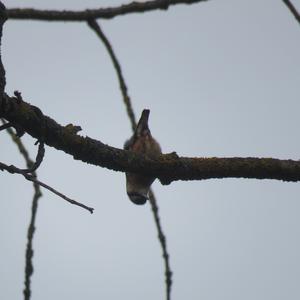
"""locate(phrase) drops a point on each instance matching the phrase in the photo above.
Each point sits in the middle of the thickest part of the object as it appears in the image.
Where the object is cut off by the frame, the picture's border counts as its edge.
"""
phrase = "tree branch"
(85, 15)
(292, 9)
(31, 177)
(163, 243)
(167, 168)
(7, 106)
(29, 248)
(3, 18)
(126, 99)
(152, 199)
(44, 185)
(34, 208)
(31, 166)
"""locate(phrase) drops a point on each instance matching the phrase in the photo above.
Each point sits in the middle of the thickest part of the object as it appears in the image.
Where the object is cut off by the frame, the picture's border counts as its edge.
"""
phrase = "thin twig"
(3, 18)
(51, 189)
(96, 27)
(29, 248)
(34, 207)
(14, 170)
(126, 99)
(163, 243)
(38, 160)
(293, 9)
(85, 15)
(33, 167)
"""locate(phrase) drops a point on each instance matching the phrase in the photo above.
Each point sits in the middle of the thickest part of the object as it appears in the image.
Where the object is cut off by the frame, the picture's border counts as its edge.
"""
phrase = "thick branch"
(88, 14)
(167, 168)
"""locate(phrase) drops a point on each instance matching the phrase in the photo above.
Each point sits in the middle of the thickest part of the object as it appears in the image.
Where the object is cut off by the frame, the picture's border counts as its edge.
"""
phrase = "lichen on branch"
(166, 168)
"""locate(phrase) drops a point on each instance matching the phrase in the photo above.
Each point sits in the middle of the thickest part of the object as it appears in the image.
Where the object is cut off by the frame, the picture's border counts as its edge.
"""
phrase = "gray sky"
(221, 78)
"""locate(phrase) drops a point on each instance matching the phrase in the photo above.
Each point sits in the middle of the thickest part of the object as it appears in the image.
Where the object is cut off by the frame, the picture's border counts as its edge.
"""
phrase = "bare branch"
(41, 149)
(293, 9)
(33, 179)
(167, 168)
(88, 14)
(126, 99)
(38, 159)
(163, 243)
(29, 247)
(34, 207)
(96, 27)
(33, 166)
(3, 17)
(14, 170)
(19, 144)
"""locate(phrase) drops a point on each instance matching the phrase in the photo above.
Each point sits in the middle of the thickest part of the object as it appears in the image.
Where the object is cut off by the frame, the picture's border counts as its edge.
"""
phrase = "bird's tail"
(142, 126)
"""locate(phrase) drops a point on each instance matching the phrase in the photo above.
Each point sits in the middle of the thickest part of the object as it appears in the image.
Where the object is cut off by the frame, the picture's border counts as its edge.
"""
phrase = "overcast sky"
(221, 78)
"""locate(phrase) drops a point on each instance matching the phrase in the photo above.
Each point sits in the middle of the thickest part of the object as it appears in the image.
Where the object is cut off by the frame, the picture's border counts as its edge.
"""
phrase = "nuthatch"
(137, 185)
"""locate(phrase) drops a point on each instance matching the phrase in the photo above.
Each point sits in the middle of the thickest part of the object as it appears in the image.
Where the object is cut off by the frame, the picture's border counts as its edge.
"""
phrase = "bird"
(142, 142)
